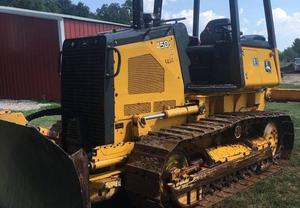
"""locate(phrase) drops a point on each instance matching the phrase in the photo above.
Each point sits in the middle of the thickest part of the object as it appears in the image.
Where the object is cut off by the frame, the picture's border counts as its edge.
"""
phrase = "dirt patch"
(21, 105)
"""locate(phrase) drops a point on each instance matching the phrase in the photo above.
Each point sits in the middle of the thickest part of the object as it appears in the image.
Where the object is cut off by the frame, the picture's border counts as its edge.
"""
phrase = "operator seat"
(209, 60)
(193, 59)
(216, 31)
(203, 55)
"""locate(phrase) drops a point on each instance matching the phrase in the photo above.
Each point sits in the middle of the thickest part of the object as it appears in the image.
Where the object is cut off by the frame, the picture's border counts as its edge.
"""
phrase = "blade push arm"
(283, 95)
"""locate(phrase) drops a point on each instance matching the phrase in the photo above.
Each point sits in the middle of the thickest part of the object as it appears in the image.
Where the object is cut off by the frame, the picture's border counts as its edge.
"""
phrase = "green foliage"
(296, 45)
(113, 12)
(52, 6)
(128, 7)
(46, 121)
(56, 6)
(289, 54)
(26, 4)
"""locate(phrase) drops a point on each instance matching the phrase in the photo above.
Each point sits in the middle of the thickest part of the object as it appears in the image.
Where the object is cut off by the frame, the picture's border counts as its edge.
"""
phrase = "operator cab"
(211, 57)
(217, 58)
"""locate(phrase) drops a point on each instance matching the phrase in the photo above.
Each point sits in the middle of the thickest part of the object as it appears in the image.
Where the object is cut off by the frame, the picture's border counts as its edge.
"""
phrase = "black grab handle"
(119, 63)
(59, 69)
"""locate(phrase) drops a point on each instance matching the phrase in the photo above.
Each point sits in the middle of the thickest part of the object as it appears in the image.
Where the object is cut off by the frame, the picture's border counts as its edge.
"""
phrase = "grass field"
(45, 121)
(282, 190)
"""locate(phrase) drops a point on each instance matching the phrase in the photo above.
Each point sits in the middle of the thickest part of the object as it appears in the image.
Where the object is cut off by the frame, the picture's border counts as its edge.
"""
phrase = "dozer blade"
(34, 172)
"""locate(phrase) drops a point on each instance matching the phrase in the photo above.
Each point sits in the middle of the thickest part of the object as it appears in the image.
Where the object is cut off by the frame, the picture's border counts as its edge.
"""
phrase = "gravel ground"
(21, 105)
(291, 79)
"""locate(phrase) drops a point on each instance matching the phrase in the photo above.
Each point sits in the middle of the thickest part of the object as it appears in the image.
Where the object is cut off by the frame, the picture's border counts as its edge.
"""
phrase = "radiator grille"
(83, 90)
(163, 105)
(136, 109)
(145, 75)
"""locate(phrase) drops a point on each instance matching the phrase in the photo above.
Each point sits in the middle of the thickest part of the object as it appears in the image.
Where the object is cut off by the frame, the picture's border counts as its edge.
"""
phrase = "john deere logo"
(255, 61)
(268, 66)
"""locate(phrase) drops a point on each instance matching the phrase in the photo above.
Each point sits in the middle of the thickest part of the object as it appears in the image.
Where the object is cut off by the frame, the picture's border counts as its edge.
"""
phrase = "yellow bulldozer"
(154, 113)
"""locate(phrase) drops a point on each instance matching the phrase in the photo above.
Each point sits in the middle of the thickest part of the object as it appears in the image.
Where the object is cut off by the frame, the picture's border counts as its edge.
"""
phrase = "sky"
(286, 15)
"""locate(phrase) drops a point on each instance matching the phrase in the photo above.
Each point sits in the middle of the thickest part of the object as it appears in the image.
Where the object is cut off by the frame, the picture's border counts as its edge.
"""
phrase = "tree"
(4, 2)
(52, 6)
(26, 4)
(289, 54)
(82, 10)
(65, 6)
(115, 12)
(128, 6)
(56, 6)
(296, 45)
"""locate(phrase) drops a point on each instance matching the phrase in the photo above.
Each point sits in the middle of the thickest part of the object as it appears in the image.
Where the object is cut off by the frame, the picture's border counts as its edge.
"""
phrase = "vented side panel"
(145, 75)
(136, 109)
(163, 105)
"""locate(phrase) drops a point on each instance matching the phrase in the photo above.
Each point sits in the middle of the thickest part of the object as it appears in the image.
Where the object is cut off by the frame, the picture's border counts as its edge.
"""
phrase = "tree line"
(292, 52)
(114, 12)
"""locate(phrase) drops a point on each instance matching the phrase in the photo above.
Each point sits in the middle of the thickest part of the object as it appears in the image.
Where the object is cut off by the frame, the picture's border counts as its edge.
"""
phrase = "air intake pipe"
(157, 12)
(138, 14)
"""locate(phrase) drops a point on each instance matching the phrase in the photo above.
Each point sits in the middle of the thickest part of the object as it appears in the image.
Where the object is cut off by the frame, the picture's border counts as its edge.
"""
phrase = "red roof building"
(30, 45)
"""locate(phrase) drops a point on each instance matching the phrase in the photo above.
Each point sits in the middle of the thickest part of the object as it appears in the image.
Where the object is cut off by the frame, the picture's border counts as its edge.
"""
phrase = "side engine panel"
(150, 81)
